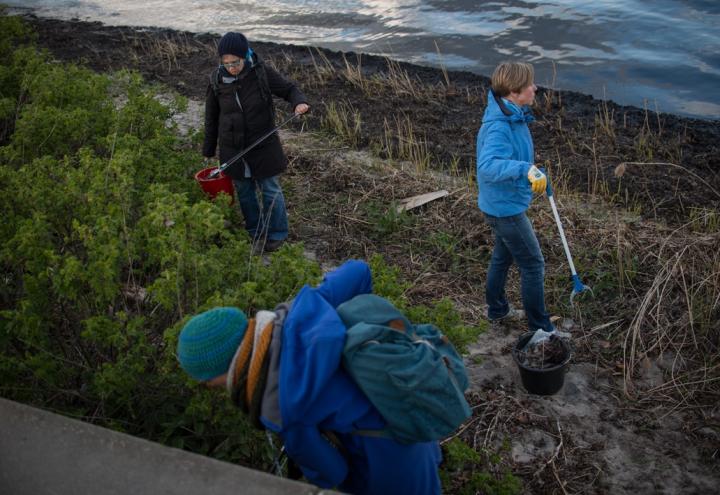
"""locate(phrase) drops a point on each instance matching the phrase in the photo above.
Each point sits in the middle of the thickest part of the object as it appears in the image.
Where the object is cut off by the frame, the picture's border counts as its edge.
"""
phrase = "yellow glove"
(538, 180)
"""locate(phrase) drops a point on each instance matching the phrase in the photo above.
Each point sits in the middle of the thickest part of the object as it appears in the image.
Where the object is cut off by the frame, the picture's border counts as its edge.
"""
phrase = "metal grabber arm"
(262, 138)
(578, 286)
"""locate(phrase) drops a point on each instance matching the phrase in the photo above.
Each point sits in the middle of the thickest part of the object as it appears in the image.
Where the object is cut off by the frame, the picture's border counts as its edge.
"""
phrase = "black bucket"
(545, 381)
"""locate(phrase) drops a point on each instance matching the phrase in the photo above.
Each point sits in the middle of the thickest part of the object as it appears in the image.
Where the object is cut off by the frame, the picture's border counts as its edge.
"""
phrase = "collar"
(514, 112)
(513, 107)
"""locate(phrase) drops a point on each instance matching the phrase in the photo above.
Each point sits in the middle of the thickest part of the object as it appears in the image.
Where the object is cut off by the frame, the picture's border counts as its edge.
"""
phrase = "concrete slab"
(45, 453)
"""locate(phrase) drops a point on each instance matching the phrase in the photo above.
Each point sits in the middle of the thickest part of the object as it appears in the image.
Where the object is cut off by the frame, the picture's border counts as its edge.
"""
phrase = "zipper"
(237, 99)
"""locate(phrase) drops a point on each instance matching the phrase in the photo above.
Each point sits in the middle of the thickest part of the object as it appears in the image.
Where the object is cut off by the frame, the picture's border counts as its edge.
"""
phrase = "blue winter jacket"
(504, 156)
(317, 395)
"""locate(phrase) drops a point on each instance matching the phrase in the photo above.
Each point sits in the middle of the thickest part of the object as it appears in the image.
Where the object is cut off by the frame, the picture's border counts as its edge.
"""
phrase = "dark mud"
(662, 165)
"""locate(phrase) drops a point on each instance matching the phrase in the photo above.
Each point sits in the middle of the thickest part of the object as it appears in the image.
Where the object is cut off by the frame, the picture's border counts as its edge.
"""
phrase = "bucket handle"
(262, 138)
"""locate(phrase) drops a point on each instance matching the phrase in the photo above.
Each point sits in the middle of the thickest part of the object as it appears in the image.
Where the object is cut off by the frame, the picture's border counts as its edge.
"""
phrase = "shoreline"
(669, 162)
(463, 75)
(572, 84)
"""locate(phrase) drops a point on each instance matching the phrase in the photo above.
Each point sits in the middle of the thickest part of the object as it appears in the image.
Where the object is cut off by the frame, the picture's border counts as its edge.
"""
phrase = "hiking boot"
(273, 245)
(512, 315)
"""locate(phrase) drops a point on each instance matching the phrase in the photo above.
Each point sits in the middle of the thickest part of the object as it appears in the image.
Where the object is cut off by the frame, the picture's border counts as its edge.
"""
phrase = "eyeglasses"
(233, 65)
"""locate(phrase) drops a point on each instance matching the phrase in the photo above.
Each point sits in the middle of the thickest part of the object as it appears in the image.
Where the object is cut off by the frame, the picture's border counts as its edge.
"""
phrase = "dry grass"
(657, 292)
(396, 81)
(401, 140)
(550, 97)
(354, 75)
(444, 70)
(411, 146)
(324, 69)
(605, 121)
(661, 288)
(660, 285)
(677, 315)
(343, 121)
(168, 49)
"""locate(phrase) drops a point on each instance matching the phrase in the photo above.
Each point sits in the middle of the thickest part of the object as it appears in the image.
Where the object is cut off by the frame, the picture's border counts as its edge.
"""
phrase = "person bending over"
(283, 367)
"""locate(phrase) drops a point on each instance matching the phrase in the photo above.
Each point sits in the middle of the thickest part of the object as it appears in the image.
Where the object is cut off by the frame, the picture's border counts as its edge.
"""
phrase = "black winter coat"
(240, 112)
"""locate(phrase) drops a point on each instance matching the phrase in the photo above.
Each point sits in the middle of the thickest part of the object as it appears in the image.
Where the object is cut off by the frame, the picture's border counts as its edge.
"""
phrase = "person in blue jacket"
(283, 368)
(507, 178)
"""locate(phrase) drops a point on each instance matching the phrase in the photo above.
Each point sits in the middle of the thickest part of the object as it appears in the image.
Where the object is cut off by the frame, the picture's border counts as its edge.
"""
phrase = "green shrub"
(15, 59)
(463, 471)
(441, 313)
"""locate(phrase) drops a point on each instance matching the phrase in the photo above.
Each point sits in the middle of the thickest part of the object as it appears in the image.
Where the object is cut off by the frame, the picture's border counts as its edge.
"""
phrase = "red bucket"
(213, 186)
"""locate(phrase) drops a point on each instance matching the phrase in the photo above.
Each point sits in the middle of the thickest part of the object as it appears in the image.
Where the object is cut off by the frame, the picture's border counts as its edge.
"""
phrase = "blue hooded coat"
(504, 156)
(317, 395)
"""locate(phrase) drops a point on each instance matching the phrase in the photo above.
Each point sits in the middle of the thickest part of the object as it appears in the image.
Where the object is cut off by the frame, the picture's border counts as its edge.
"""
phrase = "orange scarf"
(248, 371)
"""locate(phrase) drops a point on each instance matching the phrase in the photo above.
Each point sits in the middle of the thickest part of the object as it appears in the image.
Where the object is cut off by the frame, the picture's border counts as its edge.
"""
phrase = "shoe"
(273, 245)
(560, 334)
(512, 315)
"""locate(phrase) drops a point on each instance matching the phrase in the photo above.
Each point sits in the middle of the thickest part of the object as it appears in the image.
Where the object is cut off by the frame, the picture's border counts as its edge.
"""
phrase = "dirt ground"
(588, 438)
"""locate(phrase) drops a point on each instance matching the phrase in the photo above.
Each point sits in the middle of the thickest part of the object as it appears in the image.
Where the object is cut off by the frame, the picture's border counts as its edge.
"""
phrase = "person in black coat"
(239, 109)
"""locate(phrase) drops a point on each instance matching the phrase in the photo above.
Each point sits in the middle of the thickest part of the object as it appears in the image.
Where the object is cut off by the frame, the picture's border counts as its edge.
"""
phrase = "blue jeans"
(270, 222)
(515, 241)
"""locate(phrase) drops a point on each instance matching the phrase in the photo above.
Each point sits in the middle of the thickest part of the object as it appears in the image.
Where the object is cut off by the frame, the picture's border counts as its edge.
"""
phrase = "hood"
(497, 109)
(313, 384)
(371, 309)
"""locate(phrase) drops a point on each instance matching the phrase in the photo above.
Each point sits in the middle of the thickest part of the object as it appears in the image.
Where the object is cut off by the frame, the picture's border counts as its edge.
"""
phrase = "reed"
(167, 49)
(444, 70)
(605, 121)
(400, 82)
(550, 95)
(354, 75)
(343, 121)
(324, 69)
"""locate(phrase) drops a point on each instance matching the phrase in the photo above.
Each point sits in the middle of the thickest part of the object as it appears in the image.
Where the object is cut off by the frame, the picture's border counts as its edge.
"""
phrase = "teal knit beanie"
(208, 342)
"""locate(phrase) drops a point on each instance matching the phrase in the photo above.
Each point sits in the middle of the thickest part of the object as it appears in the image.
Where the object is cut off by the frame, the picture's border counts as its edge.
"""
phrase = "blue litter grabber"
(578, 286)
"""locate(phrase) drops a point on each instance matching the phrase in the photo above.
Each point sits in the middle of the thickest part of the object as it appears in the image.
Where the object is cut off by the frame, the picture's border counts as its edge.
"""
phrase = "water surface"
(663, 54)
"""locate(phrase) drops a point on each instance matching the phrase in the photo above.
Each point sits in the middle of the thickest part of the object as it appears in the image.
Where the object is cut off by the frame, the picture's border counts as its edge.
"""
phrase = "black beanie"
(233, 44)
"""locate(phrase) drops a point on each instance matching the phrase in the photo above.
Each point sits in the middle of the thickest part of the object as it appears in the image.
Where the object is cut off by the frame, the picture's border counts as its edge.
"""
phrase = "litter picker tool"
(578, 286)
(262, 138)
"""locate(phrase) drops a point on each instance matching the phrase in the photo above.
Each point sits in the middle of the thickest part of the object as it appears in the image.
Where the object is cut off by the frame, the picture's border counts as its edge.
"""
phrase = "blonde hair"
(512, 77)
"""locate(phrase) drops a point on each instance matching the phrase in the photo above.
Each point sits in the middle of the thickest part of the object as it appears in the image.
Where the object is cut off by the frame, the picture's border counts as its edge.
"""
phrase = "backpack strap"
(214, 75)
(264, 86)
(263, 81)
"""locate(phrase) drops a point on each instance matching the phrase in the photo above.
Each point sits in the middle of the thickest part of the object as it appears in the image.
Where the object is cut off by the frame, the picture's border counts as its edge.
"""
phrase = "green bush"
(15, 58)
(108, 246)
(462, 472)
(441, 313)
